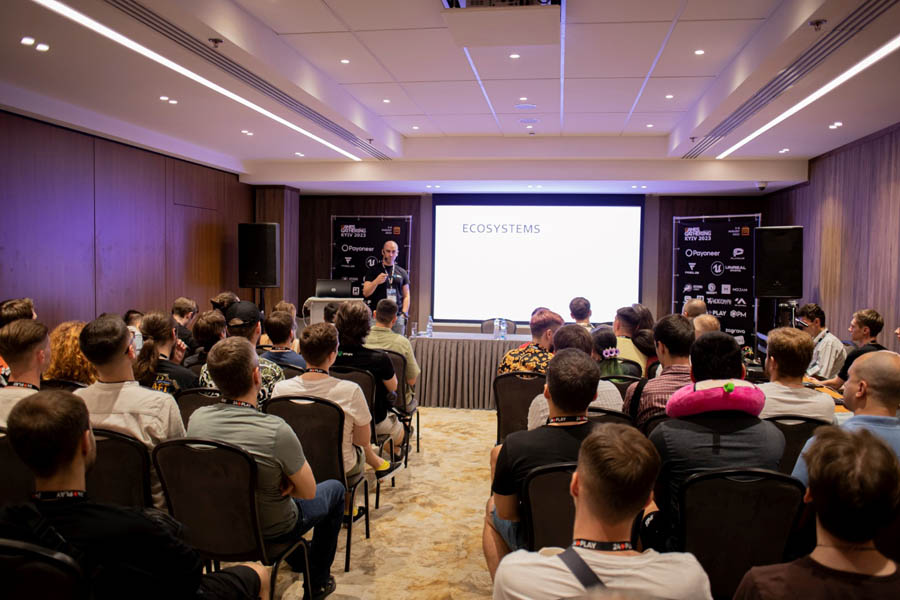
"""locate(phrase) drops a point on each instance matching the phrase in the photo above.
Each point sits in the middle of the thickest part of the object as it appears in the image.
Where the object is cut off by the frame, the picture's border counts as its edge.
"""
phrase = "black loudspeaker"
(779, 262)
(259, 255)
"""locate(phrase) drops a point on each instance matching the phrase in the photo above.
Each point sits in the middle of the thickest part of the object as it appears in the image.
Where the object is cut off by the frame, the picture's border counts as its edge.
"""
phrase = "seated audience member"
(319, 345)
(280, 326)
(705, 323)
(608, 356)
(645, 317)
(854, 483)
(617, 468)
(208, 329)
(673, 336)
(288, 307)
(183, 311)
(714, 422)
(694, 308)
(897, 333)
(353, 321)
(872, 394)
(572, 378)
(625, 324)
(116, 401)
(643, 341)
(68, 362)
(13, 310)
(828, 351)
(382, 337)
(787, 355)
(608, 396)
(289, 501)
(132, 319)
(580, 311)
(535, 355)
(865, 326)
(123, 552)
(26, 346)
(223, 300)
(158, 365)
(242, 319)
(330, 311)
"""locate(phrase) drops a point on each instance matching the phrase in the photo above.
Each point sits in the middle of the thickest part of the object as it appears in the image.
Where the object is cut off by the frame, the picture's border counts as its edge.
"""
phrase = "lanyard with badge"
(391, 291)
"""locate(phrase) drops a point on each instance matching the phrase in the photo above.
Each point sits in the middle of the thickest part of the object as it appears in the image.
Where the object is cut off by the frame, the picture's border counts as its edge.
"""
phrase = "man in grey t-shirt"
(288, 499)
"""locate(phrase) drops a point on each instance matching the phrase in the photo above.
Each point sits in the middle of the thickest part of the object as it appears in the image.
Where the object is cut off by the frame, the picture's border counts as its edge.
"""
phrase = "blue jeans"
(325, 512)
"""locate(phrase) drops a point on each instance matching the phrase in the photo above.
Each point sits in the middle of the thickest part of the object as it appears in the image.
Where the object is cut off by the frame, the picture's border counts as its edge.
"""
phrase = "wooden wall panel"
(194, 185)
(130, 225)
(195, 270)
(47, 208)
(236, 207)
(281, 204)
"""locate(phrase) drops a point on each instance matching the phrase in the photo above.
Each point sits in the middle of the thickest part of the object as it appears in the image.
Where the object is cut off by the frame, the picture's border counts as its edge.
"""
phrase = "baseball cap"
(242, 313)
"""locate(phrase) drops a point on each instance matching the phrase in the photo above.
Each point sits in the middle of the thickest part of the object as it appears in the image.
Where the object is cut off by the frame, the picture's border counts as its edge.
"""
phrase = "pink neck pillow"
(715, 395)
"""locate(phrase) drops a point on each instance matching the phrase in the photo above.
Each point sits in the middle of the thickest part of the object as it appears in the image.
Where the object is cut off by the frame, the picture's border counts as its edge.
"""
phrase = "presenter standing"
(388, 280)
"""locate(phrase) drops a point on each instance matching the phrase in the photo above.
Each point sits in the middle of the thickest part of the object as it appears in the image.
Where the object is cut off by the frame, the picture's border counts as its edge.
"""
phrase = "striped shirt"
(828, 356)
(657, 393)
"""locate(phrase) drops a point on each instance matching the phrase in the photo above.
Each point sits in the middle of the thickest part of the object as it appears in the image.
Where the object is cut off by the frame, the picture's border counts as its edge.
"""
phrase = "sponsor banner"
(713, 261)
(356, 244)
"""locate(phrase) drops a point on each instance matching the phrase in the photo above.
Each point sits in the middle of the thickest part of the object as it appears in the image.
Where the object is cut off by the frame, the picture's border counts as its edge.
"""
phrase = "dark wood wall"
(94, 226)
(281, 204)
(850, 211)
(315, 235)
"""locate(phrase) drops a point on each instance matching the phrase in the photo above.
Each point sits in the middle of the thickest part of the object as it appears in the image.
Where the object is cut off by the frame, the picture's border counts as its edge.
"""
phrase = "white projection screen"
(505, 260)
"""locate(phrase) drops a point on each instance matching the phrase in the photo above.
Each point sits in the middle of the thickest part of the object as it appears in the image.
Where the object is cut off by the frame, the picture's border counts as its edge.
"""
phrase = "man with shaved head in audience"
(694, 308)
(705, 323)
(26, 345)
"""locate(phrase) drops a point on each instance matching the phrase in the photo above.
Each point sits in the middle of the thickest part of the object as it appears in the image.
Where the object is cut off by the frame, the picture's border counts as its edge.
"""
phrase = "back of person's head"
(208, 328)
(231, 363)
(791, 349)
(606, 351)
(617, 468)
(19, 341)
(854, 481)
(385, 311)
(572, 336)
(705, 323)
(353, 323)
(242, 318)
(676, 333)
(628, 319)
(183, 307)
(223, 300)
(132, 317)
(716, 355)
(572, 378)
(645, 317)
(580, 308)
(105, 339)
(15, 309)
(157, 329)
(46, 428)
(67, 361)
(694, 308)
(870, 318)
(881, 372)
(318, 341)
(330, 310)
(288, 307)
(643, 341)
(811, 312)
(279, 326)
(543, 320)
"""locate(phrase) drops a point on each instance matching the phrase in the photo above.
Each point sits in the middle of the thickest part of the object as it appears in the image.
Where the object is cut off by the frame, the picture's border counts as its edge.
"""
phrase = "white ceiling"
(620, 58)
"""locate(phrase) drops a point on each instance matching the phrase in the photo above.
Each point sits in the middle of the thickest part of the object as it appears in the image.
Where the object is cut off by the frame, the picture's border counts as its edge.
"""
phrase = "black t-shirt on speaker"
(397, 277)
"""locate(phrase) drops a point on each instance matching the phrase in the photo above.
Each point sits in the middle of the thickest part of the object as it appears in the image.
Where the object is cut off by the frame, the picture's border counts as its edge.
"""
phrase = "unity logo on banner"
(713, 261)
(356, 244)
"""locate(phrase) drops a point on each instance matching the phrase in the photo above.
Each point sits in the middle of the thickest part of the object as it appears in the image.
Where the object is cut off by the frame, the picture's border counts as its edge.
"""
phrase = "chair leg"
(377, 492)
(418, 430)
(349, 540)
(217, 566)
(366, 494)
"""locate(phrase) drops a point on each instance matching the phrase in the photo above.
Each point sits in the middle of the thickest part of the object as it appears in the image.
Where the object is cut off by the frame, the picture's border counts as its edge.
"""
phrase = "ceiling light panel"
(403, 124)
(662, 122)
(686, 91)
(634, 46)
(722, 40)
(505, 94)
(537, 62)
(324, 50)
(372, 95)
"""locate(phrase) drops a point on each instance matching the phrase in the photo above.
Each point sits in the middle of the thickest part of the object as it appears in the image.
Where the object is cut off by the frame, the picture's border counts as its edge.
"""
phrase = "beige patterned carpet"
(426, 536)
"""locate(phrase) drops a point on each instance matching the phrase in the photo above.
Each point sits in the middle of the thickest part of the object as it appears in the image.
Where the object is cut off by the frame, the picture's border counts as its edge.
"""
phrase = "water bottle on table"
(429, 328)
(502, 329)
(496, 332)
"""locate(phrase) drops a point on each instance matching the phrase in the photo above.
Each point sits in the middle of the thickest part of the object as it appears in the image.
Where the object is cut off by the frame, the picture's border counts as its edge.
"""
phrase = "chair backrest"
(290, 371)
(361, 377)
(121, 473)
(888, 539)
(31, 571)
(18, 481)
(196, 368)
(399, 363)
(653, 422)
(756, 506)
(549, 509)
(631, 368)
(61, 384)
(513, 393)
(622, 382)
(487, 326)
(263, 349)
(210, 487)
(796, 429)
(191, 399)
(606, 415)
(319, 425)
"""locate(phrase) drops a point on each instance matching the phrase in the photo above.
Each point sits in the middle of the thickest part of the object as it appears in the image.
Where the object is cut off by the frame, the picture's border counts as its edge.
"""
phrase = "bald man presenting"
(388, 280)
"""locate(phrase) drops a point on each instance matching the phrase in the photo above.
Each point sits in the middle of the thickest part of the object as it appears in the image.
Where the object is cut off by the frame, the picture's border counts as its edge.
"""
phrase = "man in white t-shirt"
(319, 345)
(25, 345)
(619, 458)
(787, 355)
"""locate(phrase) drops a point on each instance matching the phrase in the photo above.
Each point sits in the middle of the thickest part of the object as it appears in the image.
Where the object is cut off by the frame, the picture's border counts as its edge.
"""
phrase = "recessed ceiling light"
(531, 186)
(643, 187)
(514, 56)
(649, 124)
(244, 131)
(27, 41)
(699, 52)
(669, 96)
(387, 100)
(838, 123)
(529, 127)
(249, 133)
(416, 127)
(173, 101)
(428, 186)
(299, 154)
(832, 127)
(523, 99)
(42, 47)
(163, 98)
(539, 186)
(437, 186)
(783, 150)
(345, 61)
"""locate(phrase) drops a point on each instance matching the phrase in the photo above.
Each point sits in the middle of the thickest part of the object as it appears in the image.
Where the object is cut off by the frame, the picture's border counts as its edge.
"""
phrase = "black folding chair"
(405, 417)
(796, 429)
(597, 414)
(757, 507)
(319, 425)
(622, 382)
(548, 510)
(263, 349)
(513, 393)
(290, 371)
(18, 480)
(121, 473)
(191, 399)
(653, 422)
(29, 571)
(631, 368)
(487, 326)
(210, 487)
(61, 384)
